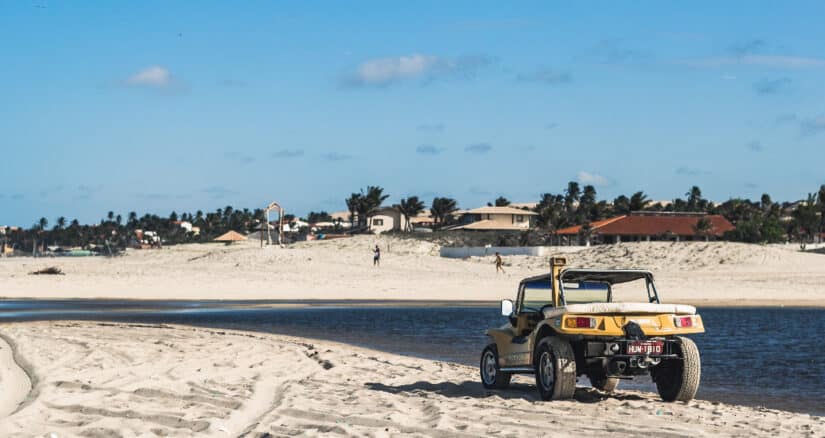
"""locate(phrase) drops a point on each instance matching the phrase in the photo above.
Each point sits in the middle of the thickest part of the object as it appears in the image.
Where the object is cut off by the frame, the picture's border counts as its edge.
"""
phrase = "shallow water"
(755, 356)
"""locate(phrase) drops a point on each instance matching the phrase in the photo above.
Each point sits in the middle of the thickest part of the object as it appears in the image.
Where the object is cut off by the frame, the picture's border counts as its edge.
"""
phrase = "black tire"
(491, 376)
(678, 379)
(555, 368)
(604, 383)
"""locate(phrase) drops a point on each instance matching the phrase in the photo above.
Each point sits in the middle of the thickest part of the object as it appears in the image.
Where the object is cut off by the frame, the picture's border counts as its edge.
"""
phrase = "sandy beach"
(99, 379)
(713, 273)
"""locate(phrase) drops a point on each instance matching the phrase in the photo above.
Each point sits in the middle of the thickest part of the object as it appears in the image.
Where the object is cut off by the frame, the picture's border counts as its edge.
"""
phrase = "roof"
(489, 225)
(425, 218)
(501, 210)
(230, 236)
(324, 224)
(576, 229)
(658, 225)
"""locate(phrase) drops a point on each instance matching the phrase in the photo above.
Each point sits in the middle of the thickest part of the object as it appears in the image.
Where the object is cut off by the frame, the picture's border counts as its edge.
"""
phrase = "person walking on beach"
(499, 263)
(376, 258)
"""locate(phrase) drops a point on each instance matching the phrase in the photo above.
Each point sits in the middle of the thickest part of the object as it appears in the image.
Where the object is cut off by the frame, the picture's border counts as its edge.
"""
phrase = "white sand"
(15, 385)
(97, 379)
(692, 272)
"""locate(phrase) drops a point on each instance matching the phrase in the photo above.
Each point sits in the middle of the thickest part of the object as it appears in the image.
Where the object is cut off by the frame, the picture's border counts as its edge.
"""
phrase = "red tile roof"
(576, 229)
(653, 225)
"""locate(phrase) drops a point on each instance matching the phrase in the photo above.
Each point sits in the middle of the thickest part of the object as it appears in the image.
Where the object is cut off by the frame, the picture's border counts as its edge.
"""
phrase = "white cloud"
(385, 71)
(592, 179)
(153, 76)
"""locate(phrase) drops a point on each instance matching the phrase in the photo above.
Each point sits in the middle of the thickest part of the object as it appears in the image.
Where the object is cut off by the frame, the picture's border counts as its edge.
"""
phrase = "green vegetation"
(410, 208)
(762, 221)
(442, 209)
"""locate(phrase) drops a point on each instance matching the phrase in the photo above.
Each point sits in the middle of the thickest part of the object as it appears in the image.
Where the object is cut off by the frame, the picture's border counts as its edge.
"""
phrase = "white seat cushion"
(626, 308)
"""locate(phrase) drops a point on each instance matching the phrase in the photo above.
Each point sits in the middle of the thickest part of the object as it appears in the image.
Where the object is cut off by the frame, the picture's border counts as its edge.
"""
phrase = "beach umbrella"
(230, 236)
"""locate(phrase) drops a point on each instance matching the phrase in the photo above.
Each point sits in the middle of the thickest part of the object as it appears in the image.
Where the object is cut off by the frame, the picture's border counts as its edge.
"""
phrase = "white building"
(495, 219)
(387, 219)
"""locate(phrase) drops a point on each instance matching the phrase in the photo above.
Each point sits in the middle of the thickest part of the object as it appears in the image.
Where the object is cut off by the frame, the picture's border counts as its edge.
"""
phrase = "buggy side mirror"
(506, 308)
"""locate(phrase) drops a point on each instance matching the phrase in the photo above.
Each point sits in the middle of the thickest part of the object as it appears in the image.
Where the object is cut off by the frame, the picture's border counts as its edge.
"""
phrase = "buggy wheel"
(555, 365)
(491, 376)
(678, 379)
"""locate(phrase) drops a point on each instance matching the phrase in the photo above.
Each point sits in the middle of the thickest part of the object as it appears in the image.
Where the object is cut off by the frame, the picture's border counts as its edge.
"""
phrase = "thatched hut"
(230, 236)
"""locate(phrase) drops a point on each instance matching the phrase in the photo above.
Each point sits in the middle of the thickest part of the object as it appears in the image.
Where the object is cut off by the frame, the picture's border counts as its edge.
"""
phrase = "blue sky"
(155, 106)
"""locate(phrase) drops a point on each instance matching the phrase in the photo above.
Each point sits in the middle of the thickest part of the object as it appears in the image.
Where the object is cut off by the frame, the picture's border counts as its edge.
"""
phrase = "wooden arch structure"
(270, 207)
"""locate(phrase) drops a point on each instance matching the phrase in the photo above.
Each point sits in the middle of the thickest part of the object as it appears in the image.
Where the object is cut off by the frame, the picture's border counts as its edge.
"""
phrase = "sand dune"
(702, 273)
(98, 379)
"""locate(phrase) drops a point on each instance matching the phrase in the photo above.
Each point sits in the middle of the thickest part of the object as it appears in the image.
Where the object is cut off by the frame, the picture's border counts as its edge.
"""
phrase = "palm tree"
(353, 205)
(765, 202)
(550, 210)
(110, 215)
(410, 207)
(587, 204)
(805, 218)
(703, 227)
(501, 201)
(821, 199)
(621, 205)
(442, 208)
(365, 204)
(375, 197)
(132, 219)
(571, 197)
(695, 202)
(42, 223)
(638, 201)
(61, 223)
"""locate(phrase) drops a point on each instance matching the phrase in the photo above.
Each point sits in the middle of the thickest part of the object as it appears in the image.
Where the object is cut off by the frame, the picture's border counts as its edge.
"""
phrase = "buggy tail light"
(683, 321)
(580, 322)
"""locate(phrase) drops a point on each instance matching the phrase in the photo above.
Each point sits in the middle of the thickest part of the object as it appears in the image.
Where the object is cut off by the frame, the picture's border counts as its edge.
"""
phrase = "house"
(646, 226)
(495, 219)
(425, 220)
(188, 227)
(336, 224)
(293, 226)
(343, 216)
(387, 219)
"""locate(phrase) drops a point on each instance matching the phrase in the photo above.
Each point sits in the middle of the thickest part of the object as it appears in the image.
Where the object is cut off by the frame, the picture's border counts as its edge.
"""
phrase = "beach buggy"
(571, 323)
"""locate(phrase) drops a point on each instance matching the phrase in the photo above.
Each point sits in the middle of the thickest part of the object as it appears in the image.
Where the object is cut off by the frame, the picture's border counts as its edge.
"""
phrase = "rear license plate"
(645, 347)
